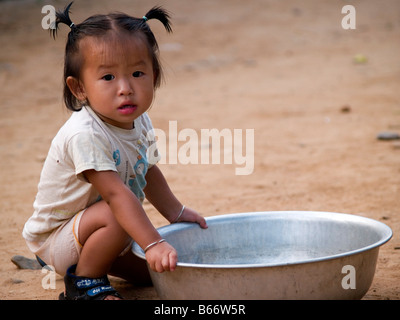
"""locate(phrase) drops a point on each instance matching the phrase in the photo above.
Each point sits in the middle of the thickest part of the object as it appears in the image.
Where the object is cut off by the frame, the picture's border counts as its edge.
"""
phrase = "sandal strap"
(101, 290)
(83, 288)
(86, 283)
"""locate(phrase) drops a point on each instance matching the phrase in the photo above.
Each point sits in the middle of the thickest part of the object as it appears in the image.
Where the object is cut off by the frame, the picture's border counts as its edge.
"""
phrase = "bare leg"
(103, 240)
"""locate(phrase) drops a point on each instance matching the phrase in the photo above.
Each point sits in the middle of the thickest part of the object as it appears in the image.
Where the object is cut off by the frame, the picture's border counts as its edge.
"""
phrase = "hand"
(190, 215)
(162, 257)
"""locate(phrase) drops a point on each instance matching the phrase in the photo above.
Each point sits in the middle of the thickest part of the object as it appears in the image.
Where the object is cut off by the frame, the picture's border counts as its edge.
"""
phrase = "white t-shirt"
(86, 142)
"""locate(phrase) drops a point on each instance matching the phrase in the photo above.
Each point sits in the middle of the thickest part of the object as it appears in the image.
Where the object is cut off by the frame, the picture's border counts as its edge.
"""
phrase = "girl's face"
(117, 78)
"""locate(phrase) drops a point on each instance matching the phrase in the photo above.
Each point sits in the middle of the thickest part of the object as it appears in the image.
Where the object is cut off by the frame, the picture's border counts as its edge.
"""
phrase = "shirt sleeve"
(90, 151)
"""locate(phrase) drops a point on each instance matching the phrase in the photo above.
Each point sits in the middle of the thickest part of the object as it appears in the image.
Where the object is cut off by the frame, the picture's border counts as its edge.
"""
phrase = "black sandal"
(82, 288)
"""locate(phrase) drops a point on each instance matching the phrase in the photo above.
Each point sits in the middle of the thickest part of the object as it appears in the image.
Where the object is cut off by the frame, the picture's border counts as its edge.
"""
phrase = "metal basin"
(272, 255)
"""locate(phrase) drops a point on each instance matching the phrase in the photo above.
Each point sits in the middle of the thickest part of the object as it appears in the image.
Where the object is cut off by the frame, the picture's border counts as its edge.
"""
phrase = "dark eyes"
(137, 74)
(109, 77)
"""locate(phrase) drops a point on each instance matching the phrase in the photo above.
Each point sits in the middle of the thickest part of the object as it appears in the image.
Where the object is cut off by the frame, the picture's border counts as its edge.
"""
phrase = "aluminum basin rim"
(337, 216)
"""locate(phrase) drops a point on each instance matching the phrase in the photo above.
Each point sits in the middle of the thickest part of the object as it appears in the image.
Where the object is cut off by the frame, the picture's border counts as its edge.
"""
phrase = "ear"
(76, 87)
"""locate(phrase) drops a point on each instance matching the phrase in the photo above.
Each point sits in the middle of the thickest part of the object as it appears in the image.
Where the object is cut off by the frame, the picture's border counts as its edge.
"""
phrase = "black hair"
(98, 25)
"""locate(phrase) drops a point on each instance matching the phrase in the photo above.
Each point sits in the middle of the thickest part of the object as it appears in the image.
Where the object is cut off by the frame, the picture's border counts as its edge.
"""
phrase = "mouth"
(127, 108)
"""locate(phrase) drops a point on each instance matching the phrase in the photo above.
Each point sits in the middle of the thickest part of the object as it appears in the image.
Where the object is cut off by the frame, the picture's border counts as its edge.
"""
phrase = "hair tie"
(145, 18)
(71, 25)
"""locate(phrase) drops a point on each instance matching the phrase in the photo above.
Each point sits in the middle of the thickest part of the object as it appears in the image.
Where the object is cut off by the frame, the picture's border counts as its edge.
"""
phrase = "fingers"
(202, 222)
(161, 260)
(168, 262)
(173, 260)
(190, 215)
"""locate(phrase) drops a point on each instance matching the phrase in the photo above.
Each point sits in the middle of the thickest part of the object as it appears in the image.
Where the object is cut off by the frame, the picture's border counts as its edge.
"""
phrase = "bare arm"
(160, 195)
(130, 215)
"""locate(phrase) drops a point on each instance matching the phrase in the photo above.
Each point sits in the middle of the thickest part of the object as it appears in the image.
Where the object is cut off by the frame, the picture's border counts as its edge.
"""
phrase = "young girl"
(97, 172)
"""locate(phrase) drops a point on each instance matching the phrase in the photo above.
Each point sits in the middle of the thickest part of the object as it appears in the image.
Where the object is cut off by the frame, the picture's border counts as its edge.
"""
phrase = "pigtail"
(62, 17)
(160, 14)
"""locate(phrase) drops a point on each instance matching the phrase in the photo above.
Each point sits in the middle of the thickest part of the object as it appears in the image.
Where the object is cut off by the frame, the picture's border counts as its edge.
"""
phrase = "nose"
(125, 88)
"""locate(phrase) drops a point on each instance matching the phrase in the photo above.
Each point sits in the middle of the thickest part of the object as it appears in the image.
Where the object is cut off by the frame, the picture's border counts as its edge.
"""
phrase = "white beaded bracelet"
(179, 215)
(153, 244)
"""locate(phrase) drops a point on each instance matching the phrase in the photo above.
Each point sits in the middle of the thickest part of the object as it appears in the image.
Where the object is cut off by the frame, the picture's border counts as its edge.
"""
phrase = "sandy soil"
(283, 68)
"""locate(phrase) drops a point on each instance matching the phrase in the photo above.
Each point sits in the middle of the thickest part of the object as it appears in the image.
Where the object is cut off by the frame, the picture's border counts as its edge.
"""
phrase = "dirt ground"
(315, 94)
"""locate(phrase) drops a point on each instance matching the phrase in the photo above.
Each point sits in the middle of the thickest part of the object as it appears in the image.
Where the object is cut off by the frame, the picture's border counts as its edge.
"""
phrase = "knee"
(100, 217)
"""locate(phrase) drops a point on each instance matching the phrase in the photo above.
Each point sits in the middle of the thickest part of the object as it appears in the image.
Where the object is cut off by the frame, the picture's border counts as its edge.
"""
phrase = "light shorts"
(62, 248)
